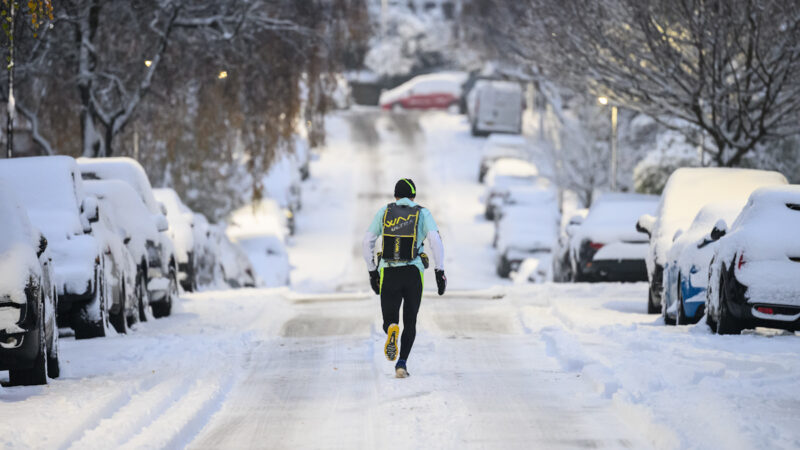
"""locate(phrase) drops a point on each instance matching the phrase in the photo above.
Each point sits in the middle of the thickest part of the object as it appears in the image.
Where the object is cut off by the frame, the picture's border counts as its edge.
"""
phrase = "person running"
(398, 274)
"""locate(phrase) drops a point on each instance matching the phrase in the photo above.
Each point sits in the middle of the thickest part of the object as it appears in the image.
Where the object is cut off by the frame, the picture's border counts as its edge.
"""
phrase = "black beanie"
(405, 188)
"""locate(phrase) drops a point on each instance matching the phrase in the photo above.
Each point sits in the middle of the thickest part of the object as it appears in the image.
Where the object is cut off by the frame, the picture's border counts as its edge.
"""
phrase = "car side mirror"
(161, 223)
(576, 220)
(42, 245)
(91, 209)
(645, 224)
(719, 230)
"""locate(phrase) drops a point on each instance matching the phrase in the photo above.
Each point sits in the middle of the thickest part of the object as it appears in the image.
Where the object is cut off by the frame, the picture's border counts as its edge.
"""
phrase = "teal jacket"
(425, 225)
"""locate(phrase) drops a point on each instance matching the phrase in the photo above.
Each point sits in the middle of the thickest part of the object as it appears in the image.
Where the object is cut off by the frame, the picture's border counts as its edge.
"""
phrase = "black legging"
(402, 285)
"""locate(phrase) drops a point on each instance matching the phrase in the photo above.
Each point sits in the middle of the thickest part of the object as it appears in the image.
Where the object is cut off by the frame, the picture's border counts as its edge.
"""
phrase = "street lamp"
(223, 74)
(604, 101)
(148, 63)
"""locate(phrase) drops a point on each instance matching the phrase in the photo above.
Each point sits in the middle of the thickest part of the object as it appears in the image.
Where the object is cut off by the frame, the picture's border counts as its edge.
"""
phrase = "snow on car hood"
(612, 218)
(18, 246)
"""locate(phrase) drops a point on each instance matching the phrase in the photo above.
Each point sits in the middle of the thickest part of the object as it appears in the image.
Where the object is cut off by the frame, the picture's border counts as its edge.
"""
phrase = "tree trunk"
(11, 101)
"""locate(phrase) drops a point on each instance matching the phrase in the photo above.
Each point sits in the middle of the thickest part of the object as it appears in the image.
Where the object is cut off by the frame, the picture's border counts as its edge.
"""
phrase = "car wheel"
(142, 296)
(118, 320)
(53, 365)
(652, 308)
(164, 308)
(37, 374)
(726, 322)
(86, 326)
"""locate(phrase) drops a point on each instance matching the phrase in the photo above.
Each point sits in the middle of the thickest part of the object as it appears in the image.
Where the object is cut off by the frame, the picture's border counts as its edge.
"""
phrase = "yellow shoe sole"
(390, 348)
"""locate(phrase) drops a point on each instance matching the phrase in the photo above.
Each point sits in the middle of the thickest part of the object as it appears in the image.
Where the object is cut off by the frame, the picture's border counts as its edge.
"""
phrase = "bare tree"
(731, 68)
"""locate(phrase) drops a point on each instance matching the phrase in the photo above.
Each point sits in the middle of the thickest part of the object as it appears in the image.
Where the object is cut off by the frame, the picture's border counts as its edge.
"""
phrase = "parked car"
(181, 224)
(495, 106)
(133, 221)
(120, 267)
(504, 174)
(686, 269)
(527, 231)
(562, 264)
(502, 146)
(28, 297)
(754, 278)
(686, 191)
(607, 247)
(206, 250)
(432, 91)
(51, 190)
(162, 267)
(236, 268)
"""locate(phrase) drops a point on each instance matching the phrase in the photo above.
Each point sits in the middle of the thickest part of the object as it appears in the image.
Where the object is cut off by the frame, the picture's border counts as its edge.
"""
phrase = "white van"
(495, 106)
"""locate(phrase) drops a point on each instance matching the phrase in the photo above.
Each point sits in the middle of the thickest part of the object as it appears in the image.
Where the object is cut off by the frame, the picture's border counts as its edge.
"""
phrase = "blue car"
(686, 270)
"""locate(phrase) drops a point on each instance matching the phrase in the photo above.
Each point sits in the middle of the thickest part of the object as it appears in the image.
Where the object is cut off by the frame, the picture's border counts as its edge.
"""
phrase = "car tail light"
(596, 245)
(765, 310)
(741, 261)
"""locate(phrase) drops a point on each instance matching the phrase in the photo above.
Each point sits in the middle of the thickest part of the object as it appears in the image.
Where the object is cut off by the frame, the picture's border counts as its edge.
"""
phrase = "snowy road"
(494, 366)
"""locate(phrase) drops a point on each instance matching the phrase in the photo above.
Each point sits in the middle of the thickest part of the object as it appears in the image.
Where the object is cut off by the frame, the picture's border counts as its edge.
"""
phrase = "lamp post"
(613, 183)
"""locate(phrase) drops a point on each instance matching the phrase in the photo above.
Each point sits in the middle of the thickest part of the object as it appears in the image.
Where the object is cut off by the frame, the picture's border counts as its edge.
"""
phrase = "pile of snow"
(237, 270)
(18, 245)
(261, 231)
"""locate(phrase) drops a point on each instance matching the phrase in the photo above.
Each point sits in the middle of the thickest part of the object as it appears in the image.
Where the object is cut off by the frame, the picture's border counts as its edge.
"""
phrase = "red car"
(433, 91)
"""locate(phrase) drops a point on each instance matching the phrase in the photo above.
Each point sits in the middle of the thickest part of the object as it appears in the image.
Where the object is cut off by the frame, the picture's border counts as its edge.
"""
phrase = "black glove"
(375, 281)
(441, 281)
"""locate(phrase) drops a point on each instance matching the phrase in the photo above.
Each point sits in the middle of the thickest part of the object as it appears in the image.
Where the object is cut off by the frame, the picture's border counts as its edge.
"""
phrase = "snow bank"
(261, 231)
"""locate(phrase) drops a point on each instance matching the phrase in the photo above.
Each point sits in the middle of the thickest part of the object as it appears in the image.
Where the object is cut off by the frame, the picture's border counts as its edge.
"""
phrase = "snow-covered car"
(562, 265)
(120, 266)
(181, 231)
(532, 194)
(527, 231)
(433, 91)
(51, 190)
(206, 251)
(162, 267)
(754, 276)
(501, 146)
(260, 231)
(28, 298)
(505, 174)
(495, 106)
(686, 269)
(607, 247)
(686, 191)
(234, 265)
(134, 223)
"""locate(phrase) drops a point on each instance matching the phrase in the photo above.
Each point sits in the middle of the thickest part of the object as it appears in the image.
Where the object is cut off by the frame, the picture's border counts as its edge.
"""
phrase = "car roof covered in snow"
(127, 207)
(613, 217)
(51, 190)
(689, 189)
(121, 168)
(511, 167)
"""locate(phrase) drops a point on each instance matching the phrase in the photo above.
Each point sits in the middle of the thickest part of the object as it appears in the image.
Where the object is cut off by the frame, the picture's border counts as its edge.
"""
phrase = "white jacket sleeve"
(438, 249)
(368, 249)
